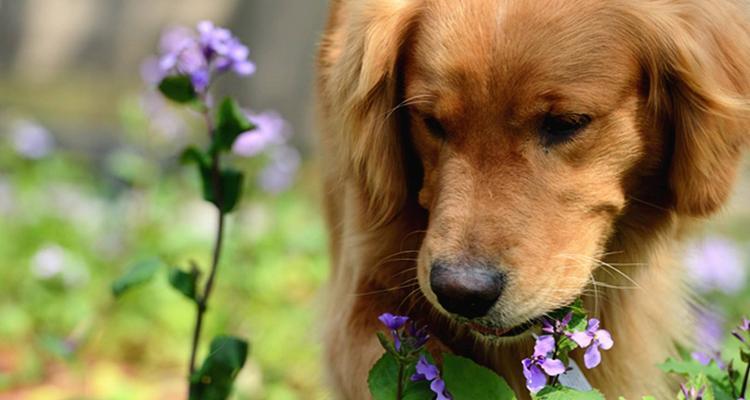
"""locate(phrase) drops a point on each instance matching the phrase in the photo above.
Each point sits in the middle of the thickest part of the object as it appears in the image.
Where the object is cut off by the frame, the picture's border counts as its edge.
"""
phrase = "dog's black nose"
(469, 290)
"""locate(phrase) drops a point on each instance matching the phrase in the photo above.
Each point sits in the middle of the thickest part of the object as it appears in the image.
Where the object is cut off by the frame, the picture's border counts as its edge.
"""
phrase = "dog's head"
(536, 125)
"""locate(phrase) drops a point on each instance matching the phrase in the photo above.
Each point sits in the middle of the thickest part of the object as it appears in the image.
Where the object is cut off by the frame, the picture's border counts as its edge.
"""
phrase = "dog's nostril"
(469, 290)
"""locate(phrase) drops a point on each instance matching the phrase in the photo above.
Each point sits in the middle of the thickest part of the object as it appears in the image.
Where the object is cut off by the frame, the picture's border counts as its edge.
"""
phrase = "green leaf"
(744, 356)
(178, 88)
(383, 381)
(466, 380)
(185, 282)
(231, 188)
(230, 123)
(214, 380)
(564, 393)
(139, 273)
(690, 368)
(193, 154)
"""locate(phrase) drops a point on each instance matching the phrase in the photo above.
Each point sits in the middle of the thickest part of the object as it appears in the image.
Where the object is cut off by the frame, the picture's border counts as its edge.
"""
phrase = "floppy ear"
(700, 83)
(361, 87)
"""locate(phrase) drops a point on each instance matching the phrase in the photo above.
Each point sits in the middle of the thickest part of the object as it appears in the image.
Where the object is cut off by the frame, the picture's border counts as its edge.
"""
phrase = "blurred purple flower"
(279, 174)
(716, 264)
(31, 140)
(270, 129)
(743, 327)
(709, 333)
(52, 261)
(428, 372)
(212, 50)
(705, 358)
(692, 393)
(540, 365)
(595, 339)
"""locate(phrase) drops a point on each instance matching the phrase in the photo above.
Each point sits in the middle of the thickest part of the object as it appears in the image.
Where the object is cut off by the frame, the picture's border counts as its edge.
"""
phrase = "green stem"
(202, 300)
(744, 383)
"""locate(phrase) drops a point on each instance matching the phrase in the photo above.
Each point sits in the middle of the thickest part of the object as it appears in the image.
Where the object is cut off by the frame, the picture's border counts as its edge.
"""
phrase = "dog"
(486, 162)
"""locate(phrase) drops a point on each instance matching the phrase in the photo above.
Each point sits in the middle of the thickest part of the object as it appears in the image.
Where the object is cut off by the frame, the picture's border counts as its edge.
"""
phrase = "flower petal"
(592, 357)
(605, 339)
(536, 380)
(426, 369)
(544, 345)
(438, 387)
(553, 367)
(593, 325)
(582, 339)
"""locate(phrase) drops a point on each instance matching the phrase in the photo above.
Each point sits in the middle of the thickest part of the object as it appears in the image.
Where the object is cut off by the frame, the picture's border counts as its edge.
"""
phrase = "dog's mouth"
(503, 332)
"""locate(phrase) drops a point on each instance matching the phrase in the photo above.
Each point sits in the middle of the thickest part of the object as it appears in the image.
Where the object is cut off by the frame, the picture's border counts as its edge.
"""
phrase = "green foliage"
(138, 274)
(564, 393)
(467, 380)
(178, 88)
(709, 376)
(230, 182)
(215, 378)
(383, 381)
(185, 282)
(230, 123)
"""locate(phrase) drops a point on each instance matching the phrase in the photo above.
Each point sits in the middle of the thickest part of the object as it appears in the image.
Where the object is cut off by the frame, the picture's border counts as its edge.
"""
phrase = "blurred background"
(90, 182)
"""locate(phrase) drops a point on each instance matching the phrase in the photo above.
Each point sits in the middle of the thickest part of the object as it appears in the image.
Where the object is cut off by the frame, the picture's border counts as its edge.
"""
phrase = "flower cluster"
(412, 338)
(542, 364)
(551, 350)
(408, 342)
(212, 50)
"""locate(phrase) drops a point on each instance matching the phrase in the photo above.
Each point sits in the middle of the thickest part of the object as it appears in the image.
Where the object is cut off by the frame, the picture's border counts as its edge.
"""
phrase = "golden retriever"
(489, 161)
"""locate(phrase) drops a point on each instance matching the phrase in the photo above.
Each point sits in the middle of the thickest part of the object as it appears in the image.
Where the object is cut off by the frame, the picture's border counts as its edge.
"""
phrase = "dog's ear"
(699, 75)
(361, 85)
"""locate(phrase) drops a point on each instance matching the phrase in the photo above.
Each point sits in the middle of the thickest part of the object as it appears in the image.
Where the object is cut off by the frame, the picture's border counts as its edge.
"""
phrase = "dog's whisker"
(405, 285)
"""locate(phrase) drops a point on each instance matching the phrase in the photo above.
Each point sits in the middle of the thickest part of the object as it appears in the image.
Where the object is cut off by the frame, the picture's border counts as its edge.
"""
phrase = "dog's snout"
(466, 289)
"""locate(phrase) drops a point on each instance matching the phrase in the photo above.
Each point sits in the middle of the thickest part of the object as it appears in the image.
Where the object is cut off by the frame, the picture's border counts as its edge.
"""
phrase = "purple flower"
(540, 365)
(270, 129)
(420, 335)
(394, 323)
(692, 393)
(709, 329)
(716, 264)
(279, 174)
(430, 373)
(595, 338)
(31, 140)
(212, 50)
(558, 326)
(705, 359)
(744, 327)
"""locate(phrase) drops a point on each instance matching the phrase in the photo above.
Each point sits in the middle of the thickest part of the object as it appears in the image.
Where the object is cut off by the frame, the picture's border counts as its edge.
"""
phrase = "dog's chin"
(501, 335)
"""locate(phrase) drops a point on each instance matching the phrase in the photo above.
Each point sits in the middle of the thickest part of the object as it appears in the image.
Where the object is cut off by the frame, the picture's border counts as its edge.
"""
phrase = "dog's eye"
(435, 127)
(559, 128)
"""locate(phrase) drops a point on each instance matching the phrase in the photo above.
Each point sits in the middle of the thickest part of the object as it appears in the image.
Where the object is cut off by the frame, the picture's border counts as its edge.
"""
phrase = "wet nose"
(466, 289)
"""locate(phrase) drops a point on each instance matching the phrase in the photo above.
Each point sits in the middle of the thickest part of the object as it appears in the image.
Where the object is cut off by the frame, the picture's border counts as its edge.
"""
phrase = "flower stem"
(202, 300)
(744, 383)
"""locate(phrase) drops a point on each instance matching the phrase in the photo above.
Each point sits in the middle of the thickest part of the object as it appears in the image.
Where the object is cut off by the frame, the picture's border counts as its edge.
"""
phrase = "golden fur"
(666, 83)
